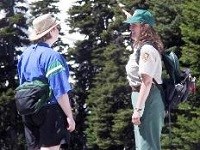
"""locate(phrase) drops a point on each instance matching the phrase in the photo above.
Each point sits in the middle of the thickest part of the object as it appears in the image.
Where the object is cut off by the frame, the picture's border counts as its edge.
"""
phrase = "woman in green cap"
(143, 69)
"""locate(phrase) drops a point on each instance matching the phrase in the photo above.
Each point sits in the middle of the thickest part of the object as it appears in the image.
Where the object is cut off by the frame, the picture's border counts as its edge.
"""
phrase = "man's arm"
(64, 103)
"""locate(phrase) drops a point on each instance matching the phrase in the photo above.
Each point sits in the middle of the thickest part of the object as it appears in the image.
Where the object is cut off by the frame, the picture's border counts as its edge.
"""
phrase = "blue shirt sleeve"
(57, 73)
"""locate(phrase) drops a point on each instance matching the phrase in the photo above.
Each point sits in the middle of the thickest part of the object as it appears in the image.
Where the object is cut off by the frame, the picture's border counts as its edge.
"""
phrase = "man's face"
(135, 31)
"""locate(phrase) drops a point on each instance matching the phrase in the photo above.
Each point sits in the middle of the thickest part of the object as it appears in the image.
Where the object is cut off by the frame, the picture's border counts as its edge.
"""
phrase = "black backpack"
(177, 83)
(30, 97)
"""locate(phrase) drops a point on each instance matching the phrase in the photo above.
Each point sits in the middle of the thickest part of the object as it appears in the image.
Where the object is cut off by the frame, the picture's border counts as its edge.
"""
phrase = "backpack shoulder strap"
(171, 64)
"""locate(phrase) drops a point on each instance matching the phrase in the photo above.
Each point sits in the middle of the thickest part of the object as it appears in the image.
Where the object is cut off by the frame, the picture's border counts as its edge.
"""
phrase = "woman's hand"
(136, 118)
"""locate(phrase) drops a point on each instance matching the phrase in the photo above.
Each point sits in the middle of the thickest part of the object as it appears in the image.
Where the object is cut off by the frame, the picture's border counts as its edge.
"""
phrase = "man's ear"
(53, 29)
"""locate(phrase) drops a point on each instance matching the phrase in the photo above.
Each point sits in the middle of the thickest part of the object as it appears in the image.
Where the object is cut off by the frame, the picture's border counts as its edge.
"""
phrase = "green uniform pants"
(147, 134)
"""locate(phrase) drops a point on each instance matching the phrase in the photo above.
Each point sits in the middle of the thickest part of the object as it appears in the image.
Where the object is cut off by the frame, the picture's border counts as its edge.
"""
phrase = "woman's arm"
(143, 94)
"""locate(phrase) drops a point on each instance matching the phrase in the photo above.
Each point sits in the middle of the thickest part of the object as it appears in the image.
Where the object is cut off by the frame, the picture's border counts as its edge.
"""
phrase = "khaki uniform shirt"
(149, 63)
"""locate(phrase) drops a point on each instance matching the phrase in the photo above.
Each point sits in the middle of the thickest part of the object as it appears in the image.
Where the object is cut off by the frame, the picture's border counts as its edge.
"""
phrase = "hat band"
(41, 31)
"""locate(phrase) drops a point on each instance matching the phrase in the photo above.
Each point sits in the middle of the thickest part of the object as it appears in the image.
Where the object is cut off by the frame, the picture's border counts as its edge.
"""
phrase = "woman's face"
(135, 31)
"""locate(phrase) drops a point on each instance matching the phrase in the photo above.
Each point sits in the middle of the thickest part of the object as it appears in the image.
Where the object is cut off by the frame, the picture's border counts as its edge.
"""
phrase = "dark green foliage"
(123, 129)
(101, 97)
(43, 7)
(101, 87)
(167, 14)
(12, 35)
(191, 35)
(11, 128)
(186, 129)
(176, 31)
(109, 95)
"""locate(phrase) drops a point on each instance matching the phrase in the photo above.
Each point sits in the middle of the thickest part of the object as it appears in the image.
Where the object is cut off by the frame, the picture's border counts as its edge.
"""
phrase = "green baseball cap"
(141, 16)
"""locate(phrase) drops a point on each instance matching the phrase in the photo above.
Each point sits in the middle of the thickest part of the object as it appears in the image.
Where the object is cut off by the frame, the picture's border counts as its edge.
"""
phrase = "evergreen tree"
(167, 14)
(191, 36)
(184, 119)
(12, 36)
(101, 91)
(186, 133)
(11, 128)
(108, 102)
(43, 7)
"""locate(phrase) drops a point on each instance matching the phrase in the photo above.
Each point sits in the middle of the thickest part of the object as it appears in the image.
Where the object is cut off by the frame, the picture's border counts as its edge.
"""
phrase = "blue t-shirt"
(39, 61)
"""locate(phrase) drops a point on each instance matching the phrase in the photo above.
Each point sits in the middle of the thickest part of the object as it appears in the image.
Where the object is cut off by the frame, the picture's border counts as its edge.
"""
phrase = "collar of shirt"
(43, 44)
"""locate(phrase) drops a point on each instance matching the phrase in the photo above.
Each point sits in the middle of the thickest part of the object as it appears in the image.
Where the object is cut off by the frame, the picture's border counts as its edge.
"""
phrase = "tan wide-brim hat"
(42, 25)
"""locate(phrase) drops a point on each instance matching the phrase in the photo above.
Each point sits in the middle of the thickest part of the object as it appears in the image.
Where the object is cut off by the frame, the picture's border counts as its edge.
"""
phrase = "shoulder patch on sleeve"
(145, 56)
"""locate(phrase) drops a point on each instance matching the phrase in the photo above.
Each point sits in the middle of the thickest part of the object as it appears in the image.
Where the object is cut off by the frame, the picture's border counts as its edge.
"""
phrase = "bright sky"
(64, 5)
(1, 14)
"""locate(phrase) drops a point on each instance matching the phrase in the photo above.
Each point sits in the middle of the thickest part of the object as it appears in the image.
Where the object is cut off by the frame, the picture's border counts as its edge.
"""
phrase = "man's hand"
(71, 124)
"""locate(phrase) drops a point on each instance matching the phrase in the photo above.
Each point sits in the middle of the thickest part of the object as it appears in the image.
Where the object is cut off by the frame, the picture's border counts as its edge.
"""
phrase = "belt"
(135, 89)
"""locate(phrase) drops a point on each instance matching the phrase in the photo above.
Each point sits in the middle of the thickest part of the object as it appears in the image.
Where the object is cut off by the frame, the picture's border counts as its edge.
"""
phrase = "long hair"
(149, 35)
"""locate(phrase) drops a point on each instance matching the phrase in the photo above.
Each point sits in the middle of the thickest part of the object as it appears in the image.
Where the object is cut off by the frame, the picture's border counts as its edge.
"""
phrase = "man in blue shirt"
(50, 127)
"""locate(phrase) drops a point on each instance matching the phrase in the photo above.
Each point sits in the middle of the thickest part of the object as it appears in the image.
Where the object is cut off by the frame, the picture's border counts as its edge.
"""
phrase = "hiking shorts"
(46, 128)
(148, 133)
